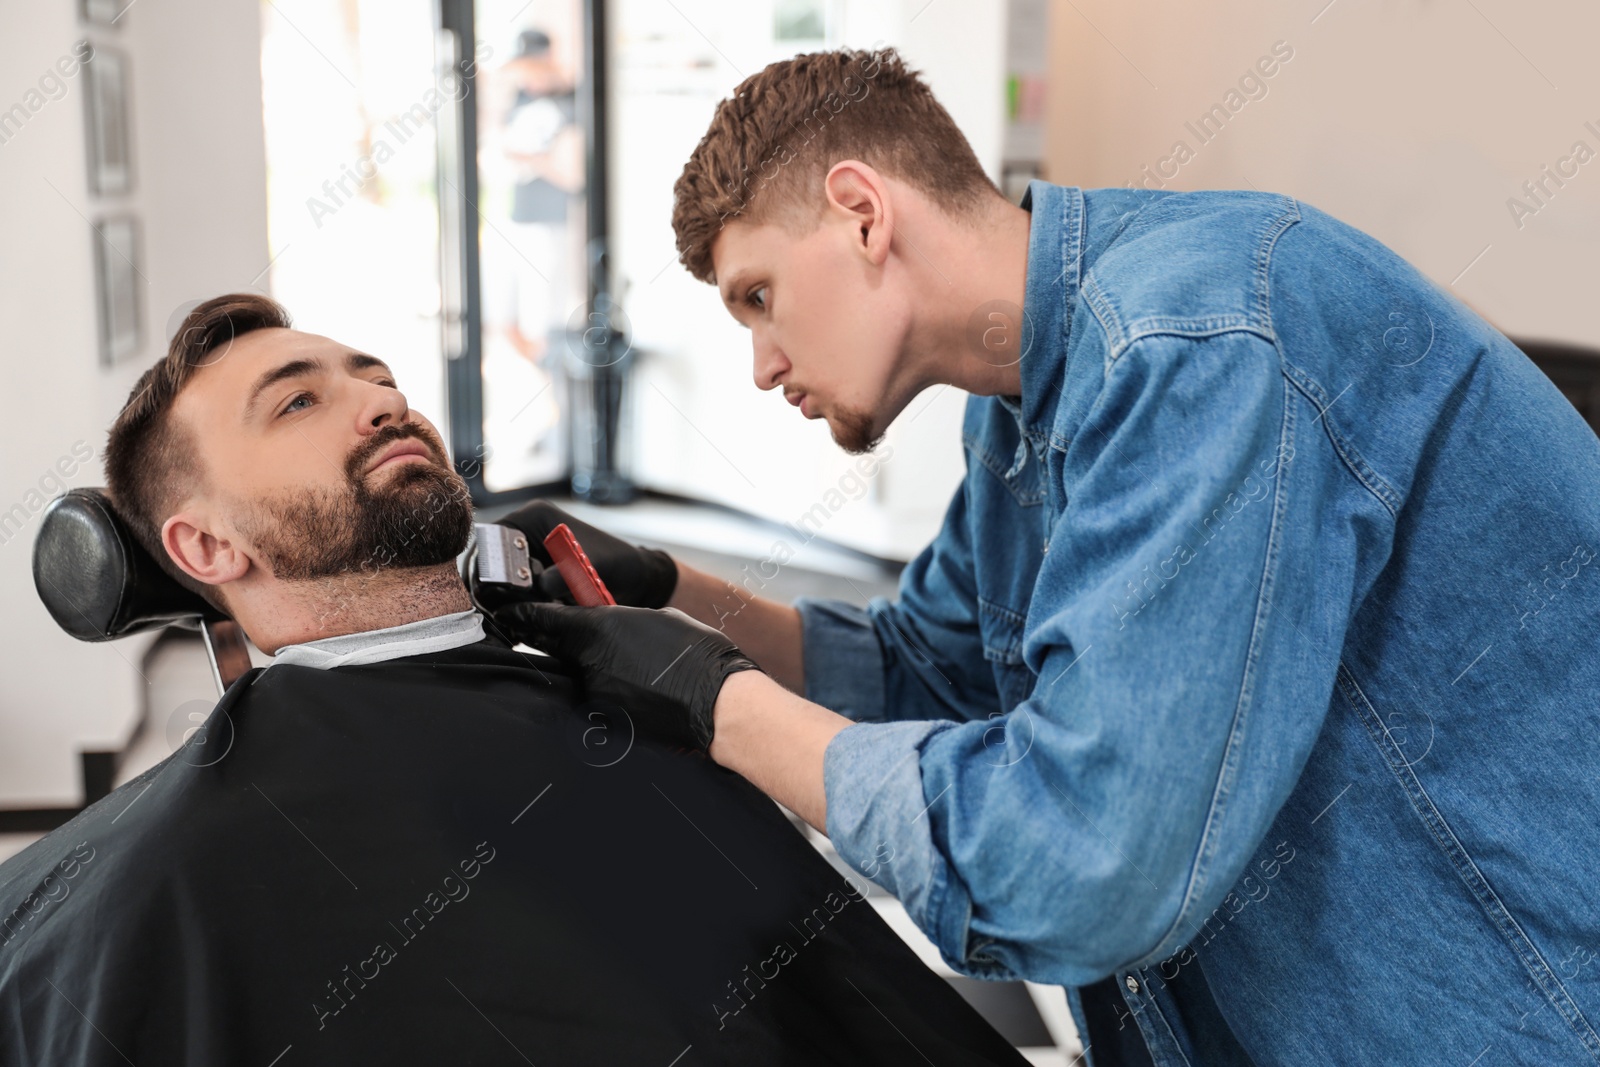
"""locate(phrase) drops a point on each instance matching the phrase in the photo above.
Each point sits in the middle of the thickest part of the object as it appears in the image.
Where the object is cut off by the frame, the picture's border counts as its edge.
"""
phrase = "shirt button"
(1132, 984)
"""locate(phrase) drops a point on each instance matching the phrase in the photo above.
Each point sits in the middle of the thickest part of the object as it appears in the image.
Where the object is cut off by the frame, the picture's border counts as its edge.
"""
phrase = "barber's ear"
(201, 554)
(857, 194)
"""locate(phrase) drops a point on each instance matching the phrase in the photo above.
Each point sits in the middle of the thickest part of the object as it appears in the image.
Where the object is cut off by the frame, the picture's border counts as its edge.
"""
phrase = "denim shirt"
(1256, 661)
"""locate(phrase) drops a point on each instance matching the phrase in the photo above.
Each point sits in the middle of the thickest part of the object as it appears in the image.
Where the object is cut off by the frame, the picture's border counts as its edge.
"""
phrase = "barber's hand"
(663, 667)
(640, 577)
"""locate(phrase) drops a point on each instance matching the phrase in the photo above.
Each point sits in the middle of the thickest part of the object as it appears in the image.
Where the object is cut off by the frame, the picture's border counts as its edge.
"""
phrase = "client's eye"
(295, 400)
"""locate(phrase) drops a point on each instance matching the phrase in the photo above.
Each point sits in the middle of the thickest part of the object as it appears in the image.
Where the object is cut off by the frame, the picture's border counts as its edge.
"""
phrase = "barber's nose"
(770, 362)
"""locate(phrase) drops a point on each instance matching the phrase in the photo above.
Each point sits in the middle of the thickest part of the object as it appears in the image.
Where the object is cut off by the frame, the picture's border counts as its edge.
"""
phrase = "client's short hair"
(153, 462)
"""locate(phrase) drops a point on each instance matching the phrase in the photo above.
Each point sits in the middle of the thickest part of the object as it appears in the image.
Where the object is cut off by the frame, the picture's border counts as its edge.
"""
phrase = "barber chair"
(99, 584)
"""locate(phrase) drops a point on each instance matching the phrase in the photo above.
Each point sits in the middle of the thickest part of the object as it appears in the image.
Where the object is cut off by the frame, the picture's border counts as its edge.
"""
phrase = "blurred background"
(480, 191)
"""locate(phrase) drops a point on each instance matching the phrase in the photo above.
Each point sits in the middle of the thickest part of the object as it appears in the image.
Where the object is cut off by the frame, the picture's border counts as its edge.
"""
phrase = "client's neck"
(309, 611)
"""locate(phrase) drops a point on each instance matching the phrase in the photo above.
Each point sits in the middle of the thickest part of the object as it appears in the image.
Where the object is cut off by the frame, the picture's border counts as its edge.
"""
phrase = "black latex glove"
(664, 668)
(640, 577)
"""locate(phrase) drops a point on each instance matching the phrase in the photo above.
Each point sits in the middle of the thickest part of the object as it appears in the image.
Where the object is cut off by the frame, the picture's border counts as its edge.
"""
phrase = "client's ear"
(202, 554)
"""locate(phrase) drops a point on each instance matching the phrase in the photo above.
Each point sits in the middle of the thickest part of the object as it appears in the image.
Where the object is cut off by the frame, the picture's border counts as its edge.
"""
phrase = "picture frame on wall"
(117, 277)
(102, 12)
(110, 136)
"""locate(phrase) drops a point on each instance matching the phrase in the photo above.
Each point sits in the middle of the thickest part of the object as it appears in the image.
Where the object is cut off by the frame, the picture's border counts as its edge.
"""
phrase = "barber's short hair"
(153, 462)
(771, 144)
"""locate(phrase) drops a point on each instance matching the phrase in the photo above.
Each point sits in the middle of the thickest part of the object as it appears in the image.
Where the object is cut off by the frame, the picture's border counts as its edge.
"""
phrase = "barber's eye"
(757, 298)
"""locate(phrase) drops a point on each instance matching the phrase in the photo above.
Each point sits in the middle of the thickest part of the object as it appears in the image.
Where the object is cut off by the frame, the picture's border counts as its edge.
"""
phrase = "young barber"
(1253, 668)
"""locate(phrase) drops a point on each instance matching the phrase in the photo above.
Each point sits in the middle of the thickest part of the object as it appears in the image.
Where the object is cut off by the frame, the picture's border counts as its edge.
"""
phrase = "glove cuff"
(702, 712)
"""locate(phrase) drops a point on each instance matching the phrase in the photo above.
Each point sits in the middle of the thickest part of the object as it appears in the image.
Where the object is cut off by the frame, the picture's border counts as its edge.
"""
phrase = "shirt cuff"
(878, 821)
(843, 661)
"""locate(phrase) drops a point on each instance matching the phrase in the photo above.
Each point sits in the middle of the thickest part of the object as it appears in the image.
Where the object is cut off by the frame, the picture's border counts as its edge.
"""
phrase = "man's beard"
(852, 431)
(420, 516)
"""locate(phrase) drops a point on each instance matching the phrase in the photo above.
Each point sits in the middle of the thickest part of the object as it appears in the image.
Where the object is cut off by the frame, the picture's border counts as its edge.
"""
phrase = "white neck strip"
(438, 634)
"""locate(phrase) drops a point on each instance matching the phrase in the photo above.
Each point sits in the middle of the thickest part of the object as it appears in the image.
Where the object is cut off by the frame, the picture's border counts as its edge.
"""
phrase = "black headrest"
(99, 583)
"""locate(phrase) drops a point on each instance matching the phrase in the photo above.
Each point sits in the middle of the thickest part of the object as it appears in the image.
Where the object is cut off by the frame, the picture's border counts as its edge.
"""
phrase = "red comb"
(581, 577)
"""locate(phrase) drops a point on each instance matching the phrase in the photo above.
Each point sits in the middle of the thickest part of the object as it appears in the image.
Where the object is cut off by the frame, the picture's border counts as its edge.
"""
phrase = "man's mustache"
(363, 457)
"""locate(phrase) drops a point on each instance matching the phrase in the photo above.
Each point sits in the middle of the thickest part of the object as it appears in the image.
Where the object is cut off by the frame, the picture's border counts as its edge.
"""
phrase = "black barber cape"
(448, 859)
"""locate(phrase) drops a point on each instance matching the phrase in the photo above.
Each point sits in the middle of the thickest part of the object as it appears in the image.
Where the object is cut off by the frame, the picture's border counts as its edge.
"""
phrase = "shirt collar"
(1068, 229)
(438, 634)
(1055, 250)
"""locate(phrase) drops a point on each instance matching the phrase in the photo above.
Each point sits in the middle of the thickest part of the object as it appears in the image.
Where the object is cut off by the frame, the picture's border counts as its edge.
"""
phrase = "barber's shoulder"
(1188, 262)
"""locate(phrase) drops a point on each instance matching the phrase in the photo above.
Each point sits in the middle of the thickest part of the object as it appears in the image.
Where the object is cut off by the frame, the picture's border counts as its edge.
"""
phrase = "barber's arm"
(765, 630)
(918, 656)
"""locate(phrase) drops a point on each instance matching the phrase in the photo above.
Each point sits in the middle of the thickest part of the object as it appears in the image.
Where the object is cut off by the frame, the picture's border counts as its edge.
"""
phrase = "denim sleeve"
(1184, 636)
(917, 657)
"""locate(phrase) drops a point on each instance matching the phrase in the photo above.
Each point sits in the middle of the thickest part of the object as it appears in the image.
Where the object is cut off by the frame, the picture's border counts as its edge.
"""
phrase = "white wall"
(1413, 121)
(199, 194)
(704, 429)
